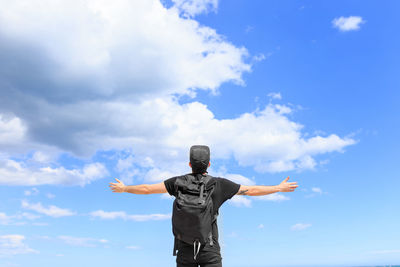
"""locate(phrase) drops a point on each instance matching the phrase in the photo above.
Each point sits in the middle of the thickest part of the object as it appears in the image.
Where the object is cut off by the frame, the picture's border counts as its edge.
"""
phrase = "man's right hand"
(284, 186)
(118, 187)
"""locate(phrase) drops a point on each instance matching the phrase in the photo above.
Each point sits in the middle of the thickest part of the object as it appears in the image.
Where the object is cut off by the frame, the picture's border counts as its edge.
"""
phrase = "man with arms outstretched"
(208, 255)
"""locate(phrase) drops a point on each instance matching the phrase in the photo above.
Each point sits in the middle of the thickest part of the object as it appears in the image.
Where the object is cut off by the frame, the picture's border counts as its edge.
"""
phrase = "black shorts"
(207, 257)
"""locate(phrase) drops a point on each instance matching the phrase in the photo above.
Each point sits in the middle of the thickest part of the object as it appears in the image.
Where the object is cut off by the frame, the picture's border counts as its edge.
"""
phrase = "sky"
(93, 90)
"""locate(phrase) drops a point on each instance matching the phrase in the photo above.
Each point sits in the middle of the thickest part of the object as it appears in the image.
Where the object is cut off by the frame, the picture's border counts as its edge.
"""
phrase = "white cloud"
(28, 215)
(191, 8)
(276, 197)
(101, 76)
(133, 217)
(12, 219)
(11, 245)
(240, 201)
(266, 140)
(259, 57)
(50, 195)
(4, 218)
(275, 95)
(175, 54)
(300, 226)
(316, 190)
(133, 247)
(42, 157)
(237, 178)
(52, 210)
(33, 192)
(40, 224)
(14, 172)
(82, 241)
(350, 23)
(12, 130)
(260, 226)
(166, 196)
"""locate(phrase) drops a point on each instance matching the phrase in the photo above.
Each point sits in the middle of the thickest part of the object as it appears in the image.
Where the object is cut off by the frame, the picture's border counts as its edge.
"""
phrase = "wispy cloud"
(11, 245)
(14, 172)
(33, 192)
(275, 95)
(316, 190)
(12, 219)
(133, 247)
(350, 23)
(273, 197)
(300, 226)
(133, 217)
(50, 195)
(82, 241)
(52, 210)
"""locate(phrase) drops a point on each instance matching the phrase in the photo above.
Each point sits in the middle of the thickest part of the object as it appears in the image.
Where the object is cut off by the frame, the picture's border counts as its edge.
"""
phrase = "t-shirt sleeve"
(228, 188)
(170, 185)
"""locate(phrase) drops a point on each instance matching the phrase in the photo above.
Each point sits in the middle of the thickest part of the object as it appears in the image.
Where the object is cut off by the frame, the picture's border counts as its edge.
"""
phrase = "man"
(207, 255)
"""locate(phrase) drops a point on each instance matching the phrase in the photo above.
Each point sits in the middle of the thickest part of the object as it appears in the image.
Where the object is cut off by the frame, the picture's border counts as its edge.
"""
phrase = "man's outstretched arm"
(142, 189)
(260, 190)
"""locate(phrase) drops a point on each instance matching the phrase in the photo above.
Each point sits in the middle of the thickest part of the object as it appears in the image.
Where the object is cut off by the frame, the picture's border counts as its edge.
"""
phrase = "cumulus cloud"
(52, 210)
(84, 76)
(350, 23)
(11, 245)
(111, 215)
(264, 139)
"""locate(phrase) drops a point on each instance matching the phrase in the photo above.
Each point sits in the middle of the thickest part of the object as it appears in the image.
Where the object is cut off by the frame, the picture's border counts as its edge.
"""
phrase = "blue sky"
(90, 91)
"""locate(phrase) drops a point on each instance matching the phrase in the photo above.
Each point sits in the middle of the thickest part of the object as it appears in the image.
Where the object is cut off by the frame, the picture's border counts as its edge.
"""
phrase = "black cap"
(199, 158)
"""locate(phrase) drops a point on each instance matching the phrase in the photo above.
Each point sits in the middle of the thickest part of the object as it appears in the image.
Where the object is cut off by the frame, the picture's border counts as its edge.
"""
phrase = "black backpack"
(193, 214)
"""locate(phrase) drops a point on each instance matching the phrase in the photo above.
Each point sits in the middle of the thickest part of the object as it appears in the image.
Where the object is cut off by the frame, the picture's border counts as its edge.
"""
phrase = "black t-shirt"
(224, 190)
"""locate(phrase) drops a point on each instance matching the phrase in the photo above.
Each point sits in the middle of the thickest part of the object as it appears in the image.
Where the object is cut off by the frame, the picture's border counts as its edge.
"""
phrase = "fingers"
(116, 187)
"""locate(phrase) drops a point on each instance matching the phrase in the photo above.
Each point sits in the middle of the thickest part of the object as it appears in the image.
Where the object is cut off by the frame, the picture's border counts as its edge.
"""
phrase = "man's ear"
(209, 164)
(190, 164)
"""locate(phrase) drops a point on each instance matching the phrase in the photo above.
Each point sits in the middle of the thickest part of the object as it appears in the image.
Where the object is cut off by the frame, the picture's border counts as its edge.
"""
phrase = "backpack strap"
(175, 247)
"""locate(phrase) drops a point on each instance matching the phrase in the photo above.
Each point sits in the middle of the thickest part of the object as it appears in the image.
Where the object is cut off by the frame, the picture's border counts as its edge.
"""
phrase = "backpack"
(193, 212)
